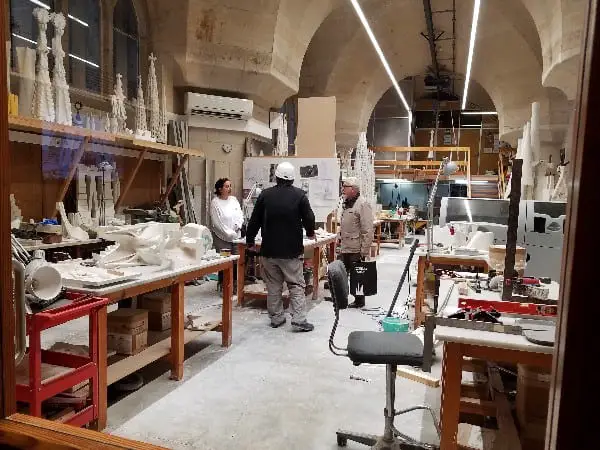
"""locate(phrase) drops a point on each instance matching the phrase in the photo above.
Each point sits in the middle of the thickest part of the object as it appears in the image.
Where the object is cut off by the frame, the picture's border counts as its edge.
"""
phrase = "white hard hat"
(285, 171)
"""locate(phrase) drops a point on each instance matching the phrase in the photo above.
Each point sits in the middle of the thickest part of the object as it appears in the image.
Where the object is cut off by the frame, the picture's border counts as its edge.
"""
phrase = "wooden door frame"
(7, 322)
(574, 393)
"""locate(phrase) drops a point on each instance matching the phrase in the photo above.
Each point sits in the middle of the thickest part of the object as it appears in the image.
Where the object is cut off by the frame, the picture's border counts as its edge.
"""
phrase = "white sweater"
(226, 218)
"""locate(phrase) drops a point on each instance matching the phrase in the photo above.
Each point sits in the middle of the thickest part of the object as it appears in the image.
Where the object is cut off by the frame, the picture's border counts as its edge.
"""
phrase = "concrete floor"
(272, 388)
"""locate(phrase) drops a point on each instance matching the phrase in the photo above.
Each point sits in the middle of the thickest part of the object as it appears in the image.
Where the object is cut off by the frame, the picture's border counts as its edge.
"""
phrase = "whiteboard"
(319, 177)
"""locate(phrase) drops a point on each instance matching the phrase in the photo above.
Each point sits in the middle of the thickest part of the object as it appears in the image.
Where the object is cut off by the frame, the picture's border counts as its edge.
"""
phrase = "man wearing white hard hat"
(280, 213)
(356, 230)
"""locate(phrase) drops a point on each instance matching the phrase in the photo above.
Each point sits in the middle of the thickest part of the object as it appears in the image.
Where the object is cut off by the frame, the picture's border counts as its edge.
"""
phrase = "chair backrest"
(338, 286)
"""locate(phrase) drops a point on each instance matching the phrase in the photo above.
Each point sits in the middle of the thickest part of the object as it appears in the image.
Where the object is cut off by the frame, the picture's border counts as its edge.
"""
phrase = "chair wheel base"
(375, 442)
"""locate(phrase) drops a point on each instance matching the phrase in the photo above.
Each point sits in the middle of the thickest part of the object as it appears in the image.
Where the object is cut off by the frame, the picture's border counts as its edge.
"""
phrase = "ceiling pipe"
(431, 38)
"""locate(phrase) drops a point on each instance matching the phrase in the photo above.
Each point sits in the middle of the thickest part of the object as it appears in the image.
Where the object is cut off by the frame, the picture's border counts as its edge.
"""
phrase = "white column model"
(162, 135)
(118, 105)
(61, 88)
(153, 101)
(141, 124)
(42, 106)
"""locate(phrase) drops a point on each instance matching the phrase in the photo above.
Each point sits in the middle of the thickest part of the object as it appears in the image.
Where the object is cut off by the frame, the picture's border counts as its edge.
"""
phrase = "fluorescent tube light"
(18, 36)
(386, 66)
(38, 3)
(463, 181)
(471, 126)
(476, 9)
(479, 113)
(83, 60)
(79, 21)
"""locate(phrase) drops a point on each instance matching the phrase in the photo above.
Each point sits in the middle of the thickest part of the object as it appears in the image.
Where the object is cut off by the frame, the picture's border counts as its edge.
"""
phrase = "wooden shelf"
(121, 141)
(428, 163)
(420, 149)
(159, 346)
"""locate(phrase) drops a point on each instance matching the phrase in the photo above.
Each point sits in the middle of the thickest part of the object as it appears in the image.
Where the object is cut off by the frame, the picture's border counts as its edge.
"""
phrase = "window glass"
(126, 46)
(23, 26)
(83, 26)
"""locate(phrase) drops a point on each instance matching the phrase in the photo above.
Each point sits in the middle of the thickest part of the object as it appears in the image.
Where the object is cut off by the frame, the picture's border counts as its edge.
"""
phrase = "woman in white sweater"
(226, 219)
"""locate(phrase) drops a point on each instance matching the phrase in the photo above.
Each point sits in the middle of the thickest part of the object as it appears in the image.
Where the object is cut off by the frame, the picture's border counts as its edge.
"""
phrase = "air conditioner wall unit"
(213, 106)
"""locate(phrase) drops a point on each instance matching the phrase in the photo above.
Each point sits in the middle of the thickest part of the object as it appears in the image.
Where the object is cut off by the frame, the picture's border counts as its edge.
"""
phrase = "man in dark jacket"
(280, 213)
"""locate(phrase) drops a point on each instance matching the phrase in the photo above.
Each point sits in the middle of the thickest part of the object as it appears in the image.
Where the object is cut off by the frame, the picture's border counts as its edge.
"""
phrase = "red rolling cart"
(77, 368)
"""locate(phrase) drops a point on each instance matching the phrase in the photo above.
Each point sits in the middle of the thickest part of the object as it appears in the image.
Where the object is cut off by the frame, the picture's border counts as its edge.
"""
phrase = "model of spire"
(61, 88)
(153, 100)
(118, 105)
(162, 135)
(141, 124)
(42, 106)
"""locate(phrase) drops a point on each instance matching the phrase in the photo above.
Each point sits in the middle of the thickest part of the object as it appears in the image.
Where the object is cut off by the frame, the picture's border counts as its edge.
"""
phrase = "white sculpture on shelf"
(141, 123)
(26, 69)
(61, 88)
(153, 100)
(345, 156)
(162, 135)
(43, 101)
(119, 114)
(16, 215)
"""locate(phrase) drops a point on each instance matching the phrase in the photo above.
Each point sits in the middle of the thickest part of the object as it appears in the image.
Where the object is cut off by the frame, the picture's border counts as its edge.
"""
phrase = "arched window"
(83, 26)
(126, 45)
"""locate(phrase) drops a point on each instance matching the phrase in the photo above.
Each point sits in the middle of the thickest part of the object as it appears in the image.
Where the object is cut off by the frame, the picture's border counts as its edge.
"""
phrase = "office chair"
(373, 347)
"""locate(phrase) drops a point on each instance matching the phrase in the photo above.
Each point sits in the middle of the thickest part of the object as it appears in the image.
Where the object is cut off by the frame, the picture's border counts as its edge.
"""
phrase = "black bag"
(363, 278)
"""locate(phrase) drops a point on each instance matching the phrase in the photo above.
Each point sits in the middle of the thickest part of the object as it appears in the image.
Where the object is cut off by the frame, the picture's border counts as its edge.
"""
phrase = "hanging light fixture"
(476, 9)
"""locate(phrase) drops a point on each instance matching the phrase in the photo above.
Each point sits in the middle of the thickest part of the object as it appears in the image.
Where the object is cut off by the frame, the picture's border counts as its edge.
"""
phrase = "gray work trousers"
(275, 271)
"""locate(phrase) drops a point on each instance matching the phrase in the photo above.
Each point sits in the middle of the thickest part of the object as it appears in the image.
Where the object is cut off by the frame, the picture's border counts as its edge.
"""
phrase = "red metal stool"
(79, 368)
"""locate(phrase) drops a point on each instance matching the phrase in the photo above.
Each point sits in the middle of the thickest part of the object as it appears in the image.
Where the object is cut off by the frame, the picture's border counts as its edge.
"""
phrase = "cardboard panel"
(316, 127)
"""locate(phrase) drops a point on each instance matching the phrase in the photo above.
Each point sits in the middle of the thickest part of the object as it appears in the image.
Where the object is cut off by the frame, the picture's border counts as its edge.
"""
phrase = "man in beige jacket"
(356, 230)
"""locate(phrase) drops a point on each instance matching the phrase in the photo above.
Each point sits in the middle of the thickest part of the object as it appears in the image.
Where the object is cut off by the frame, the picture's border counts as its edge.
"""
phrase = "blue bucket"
(395, 324)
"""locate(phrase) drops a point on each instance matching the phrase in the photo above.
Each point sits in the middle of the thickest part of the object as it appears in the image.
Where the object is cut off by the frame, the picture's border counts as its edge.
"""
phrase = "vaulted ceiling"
(268, 50)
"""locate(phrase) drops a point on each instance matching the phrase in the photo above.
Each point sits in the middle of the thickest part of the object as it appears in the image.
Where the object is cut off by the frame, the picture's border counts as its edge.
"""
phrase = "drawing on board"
(305, 186)
(309, 171)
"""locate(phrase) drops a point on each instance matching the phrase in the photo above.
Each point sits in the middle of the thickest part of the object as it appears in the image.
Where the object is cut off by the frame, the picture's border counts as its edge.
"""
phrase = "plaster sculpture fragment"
(153, 100)
(43, 101)
(118, 105)
(61, 88)
(141, 123)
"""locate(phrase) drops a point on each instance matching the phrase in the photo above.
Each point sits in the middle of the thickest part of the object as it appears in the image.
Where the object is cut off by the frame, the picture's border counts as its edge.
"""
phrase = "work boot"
(278, 324)
(359, 302)
(303, 326)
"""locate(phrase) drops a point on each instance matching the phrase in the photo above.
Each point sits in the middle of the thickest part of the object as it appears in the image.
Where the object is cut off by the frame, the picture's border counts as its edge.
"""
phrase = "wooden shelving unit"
(57, 135)
(424, 169)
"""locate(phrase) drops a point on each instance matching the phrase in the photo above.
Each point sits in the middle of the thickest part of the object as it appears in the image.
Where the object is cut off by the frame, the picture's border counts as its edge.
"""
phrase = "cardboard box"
(127, 344)
(158, 321)
(156, 302)
(128, 321)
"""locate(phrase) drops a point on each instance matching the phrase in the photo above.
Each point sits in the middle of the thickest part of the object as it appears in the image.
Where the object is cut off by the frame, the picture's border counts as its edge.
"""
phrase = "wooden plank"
(477, 406)
(7, 322)
(24, 431)
(39, 127)
(174, 179)
(177, 331)
(420, 149)
(507, 430)
(67, 181)
(474, 390)
(100, 423)
(420, 294)
(227, 311)
(130, 364)
(416, 375)
(391, 162)
(129, 181)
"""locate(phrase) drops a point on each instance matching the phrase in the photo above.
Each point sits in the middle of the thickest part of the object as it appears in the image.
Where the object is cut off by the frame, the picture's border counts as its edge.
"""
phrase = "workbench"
(77, 249)
(160, 344)
(309, 244)
(440, 260)
(460, 343)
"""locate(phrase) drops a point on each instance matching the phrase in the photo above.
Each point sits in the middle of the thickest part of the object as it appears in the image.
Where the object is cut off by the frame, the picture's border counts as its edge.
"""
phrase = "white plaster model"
(118, 105)
(42, 280)
(281, 147)
(345, 156)
(197, 239)
(153, 100)
(61, 88)
(364, 170)
(16, 215)
(26, 69)
(560, 192)
(549, 179)
(70, 230)
(162, 135)
(141, 123)
(42, 106)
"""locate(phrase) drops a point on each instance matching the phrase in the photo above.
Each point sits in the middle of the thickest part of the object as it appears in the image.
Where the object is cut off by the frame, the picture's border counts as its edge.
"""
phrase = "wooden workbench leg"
(177, 322)
(100, 423)
(227, 316)
(450, 405)
(241, 273)
(316, 267)
(420, 293)
(331, 251)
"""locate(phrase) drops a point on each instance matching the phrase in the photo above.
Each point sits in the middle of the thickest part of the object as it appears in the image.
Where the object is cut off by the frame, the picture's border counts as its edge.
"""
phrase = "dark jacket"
(281, 211)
